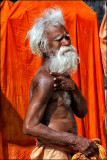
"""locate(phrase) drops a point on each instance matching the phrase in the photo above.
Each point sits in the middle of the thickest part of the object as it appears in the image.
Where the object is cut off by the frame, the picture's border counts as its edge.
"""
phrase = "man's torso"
(58, 114)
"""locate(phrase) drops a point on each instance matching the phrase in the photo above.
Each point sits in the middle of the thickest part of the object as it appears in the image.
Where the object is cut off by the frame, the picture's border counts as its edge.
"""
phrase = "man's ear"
(41, 48)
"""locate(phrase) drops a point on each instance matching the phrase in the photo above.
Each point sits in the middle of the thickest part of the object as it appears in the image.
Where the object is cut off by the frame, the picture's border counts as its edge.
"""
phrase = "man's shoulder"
(42, 77)
(42, 80)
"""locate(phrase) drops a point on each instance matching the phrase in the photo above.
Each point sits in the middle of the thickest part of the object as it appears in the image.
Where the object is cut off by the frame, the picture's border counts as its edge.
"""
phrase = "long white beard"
(66, 60)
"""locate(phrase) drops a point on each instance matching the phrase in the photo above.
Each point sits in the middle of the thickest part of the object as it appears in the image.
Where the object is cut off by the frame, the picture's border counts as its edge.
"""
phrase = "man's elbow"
(26, 129)
(85, 108)
(84, 111)
(82, 115)
(30, 130)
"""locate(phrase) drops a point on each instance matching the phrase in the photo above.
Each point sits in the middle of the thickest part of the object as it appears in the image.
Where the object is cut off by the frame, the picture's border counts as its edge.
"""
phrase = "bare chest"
(63, 98)
(59, 107)
(59, 114)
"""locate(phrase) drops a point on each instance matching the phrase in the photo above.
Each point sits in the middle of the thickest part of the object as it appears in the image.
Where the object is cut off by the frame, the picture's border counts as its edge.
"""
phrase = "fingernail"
(54, 78)
(50, 72)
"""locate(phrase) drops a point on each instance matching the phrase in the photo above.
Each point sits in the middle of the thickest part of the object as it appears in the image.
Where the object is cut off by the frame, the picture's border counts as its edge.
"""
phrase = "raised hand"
(62, 82)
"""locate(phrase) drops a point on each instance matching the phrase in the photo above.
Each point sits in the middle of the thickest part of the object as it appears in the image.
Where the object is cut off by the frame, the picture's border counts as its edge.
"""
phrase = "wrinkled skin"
(54, 99)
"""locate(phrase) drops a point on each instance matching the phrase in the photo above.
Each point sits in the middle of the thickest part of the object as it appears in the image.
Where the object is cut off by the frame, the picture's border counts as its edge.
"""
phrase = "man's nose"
(66, 42)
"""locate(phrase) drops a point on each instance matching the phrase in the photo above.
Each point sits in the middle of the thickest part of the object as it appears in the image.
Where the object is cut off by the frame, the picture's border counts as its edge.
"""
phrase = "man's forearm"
(79, 105)
(60, 140)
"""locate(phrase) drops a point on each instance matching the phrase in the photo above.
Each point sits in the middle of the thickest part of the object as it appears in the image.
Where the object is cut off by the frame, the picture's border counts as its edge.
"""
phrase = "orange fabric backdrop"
(18, 66)
(5, 9)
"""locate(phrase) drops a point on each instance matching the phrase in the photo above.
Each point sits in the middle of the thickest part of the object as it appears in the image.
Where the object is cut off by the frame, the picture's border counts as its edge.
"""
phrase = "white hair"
(37, 40)
(65, 60)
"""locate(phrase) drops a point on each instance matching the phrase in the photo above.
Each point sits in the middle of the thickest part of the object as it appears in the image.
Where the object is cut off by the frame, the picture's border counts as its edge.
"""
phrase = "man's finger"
(57, 85)
(58, 79)
(90, 153)
(96, 148)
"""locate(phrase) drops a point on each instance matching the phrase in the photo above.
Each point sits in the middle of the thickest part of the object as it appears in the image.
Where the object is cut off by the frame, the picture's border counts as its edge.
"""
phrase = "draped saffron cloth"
(18, 66)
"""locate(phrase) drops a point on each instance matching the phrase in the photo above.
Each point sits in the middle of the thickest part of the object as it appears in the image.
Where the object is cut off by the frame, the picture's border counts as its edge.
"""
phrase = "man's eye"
(67, 37)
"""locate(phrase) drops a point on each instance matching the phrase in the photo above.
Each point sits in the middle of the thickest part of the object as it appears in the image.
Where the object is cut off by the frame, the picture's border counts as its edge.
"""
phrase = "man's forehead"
(55, 31)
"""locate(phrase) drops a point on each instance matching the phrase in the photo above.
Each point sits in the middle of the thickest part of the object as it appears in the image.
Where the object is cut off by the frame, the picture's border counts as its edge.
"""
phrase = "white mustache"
(64, 49)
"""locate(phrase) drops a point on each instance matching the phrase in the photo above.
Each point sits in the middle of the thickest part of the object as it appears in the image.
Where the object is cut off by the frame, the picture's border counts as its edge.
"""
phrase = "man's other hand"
(86, 146)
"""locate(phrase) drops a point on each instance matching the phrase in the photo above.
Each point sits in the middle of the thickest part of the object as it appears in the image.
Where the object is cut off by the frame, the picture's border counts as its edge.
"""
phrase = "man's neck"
(45, 64)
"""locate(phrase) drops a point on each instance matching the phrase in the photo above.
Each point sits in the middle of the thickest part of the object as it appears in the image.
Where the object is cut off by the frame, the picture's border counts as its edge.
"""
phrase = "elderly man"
(54, 96)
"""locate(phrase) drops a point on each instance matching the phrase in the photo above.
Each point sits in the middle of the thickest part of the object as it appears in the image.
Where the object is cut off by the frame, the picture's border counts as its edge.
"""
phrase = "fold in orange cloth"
(45, 152)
